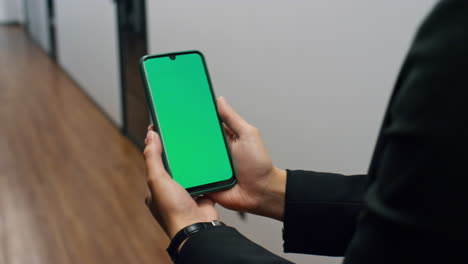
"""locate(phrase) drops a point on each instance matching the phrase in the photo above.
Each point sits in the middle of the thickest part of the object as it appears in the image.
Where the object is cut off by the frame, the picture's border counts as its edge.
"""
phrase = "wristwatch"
(185, 233)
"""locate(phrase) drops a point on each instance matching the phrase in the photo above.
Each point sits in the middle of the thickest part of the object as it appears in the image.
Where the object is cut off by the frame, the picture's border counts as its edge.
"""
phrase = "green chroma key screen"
(190, 130)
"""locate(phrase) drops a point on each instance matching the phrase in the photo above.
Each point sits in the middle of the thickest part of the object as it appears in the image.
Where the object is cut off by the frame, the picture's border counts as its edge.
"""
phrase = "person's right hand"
(260, 187)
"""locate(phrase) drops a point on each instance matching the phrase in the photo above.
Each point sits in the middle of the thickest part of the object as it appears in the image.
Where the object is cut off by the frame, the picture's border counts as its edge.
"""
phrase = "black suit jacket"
(411, 207)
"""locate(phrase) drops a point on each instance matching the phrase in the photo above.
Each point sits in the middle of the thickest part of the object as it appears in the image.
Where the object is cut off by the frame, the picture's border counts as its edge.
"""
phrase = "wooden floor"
(71, 186)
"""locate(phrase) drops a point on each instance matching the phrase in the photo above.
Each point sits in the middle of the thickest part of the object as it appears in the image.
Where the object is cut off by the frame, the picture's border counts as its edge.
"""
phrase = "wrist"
(178, 226)
(182, 236)
(273, 199)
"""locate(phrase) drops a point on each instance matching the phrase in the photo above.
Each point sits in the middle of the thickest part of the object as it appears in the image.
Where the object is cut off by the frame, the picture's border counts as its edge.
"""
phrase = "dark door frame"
(26, 15)
(120, 9)
(52, 29)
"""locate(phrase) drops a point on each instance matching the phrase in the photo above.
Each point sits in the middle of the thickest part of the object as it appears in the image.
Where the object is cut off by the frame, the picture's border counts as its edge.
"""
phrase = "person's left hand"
(171, 205)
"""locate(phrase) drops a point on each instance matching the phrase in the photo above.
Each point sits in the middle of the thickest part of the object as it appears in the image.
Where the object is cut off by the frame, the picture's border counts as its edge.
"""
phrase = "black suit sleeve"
(320, 215)
(225, 245)
(415, 208)
(321, 211)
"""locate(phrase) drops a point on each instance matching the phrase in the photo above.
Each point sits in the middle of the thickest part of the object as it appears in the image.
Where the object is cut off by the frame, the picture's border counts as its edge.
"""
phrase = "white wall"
(314, 76)
(3, 12)
(88, 50)
(37, 18)
(11, 11)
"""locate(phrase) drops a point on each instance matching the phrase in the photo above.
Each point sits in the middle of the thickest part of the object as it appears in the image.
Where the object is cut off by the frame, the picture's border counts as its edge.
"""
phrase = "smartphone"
(183, 108)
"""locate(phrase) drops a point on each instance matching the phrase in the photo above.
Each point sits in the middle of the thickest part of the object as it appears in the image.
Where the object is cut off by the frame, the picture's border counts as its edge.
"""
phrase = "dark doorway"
(51, 25)
(26, 15)
(133, 45)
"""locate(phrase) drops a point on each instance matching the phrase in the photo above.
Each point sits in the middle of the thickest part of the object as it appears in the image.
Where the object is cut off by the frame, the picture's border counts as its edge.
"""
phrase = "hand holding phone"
(195, 145)
(261, 186)
(169, 202)
(260, 189)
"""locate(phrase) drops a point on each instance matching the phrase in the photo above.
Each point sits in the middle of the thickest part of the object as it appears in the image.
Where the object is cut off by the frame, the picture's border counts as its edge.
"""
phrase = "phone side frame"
(199, 189)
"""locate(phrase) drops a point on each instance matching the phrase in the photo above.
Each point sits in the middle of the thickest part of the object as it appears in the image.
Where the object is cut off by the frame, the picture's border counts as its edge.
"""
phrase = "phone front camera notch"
(172, 57)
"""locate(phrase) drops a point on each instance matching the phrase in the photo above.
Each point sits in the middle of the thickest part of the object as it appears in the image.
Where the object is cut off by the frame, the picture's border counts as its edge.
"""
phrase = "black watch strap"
(185, 233)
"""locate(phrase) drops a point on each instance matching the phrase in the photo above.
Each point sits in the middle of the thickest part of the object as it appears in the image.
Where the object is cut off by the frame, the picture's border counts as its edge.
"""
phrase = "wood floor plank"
(71, 186)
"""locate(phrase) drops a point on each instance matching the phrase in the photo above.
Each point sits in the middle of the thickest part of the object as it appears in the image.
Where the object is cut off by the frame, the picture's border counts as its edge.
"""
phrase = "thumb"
(204, 201)
(155, 171)
(231, 118)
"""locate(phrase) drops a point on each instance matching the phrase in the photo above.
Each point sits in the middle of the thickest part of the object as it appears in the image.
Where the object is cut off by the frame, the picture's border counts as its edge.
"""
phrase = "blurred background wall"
(87, 44)
(37, 22)
(314, 76)
(11, 11)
